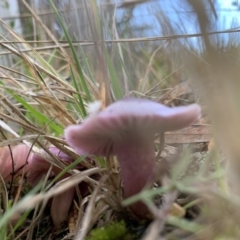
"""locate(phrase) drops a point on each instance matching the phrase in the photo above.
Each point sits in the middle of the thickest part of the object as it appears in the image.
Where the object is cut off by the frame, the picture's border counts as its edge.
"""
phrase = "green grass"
(37, 100)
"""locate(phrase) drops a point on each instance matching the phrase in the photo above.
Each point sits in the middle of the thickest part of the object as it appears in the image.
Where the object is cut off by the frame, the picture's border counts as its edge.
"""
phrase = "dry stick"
(22, 124)
(84, 227)
(131, 3)
(84, 201)
(14, 141)
(66, 45)
(16, 90)
(81, 208)
(141, 39)
(17, 72)
(129, 40)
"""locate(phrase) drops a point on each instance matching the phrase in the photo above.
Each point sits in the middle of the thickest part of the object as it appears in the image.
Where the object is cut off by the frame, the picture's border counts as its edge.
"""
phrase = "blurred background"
(55, 62)
(148, 26)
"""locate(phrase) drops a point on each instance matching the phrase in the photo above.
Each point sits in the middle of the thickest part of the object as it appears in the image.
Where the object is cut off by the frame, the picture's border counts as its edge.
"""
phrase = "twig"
(84, 227)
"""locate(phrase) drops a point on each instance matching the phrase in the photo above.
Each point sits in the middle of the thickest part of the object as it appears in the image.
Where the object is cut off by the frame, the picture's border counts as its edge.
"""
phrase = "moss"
(113, 231)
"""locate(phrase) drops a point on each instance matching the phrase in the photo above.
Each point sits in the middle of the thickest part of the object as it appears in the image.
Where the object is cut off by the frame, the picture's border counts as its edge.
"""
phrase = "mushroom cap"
(38, 166)
(19, 157)
(98, 134)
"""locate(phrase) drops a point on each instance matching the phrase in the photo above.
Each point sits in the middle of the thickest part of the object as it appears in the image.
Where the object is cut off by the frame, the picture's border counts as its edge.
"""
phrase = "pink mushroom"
(38, 166)
(61, 204)
(19, 157)
(126, 129)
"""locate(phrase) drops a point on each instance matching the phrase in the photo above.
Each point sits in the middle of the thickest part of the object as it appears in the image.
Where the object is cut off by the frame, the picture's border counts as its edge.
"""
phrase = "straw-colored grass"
(52, 83)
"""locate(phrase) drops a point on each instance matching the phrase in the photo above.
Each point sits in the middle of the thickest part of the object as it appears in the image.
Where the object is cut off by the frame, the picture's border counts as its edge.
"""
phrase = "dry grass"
(199, 195)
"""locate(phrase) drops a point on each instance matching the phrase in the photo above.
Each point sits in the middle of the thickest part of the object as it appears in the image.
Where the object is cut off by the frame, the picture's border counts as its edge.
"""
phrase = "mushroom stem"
(61, 205)
(136, 155)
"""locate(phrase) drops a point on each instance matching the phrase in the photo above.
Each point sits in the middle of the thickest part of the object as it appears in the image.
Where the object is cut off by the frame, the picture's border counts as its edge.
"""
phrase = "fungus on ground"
(13, 162)
(61, 203)
(126, 129)
(38, 166)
